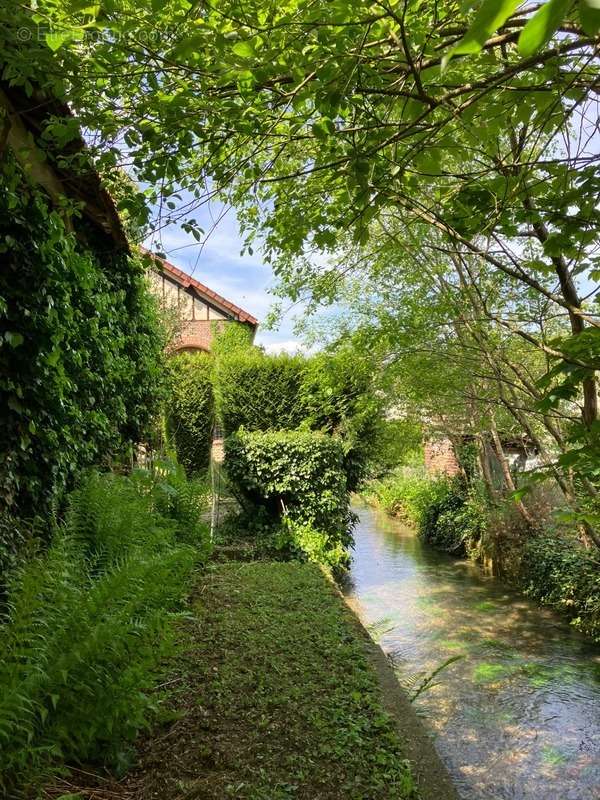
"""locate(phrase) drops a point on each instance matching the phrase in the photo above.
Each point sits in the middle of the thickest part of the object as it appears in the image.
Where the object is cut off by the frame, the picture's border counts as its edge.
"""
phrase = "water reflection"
(518, 715)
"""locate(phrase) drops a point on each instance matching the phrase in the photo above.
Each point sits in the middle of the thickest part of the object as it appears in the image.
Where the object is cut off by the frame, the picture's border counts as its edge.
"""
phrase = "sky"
(216, 262)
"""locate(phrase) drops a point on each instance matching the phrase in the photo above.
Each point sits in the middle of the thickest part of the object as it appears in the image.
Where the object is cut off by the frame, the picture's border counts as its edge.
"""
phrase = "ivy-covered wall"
(80, 346)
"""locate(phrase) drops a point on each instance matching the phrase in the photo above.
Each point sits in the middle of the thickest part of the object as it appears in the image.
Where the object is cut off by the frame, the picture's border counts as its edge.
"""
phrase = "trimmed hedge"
(297, 480)
(191, 409)
(328, 392)
(259, 392)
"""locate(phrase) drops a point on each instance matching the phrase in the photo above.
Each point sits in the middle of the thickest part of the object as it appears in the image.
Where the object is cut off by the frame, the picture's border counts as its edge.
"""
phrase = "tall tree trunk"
(484, 467)
(508, 479)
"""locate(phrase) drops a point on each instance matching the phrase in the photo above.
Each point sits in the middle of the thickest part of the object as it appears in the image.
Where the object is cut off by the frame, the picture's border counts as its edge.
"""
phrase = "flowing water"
(517, 715)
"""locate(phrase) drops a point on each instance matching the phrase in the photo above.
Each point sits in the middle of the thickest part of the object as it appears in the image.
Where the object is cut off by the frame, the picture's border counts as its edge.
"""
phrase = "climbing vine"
(80, 347)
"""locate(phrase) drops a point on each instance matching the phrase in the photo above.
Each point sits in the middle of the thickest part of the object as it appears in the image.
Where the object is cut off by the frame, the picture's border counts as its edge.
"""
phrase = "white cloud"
(291, 346)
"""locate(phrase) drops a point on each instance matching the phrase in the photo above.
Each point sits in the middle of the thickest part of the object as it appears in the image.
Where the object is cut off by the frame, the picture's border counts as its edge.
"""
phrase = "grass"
(276, 698)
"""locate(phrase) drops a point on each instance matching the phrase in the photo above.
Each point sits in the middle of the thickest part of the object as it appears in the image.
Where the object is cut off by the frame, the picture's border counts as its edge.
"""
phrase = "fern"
(87, 626)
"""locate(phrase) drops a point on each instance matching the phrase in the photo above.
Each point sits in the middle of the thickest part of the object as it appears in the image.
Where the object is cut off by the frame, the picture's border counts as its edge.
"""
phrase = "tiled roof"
(185, 280)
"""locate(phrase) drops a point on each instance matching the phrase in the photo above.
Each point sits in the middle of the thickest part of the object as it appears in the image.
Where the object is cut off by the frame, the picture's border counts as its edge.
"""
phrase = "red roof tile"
(186, 281)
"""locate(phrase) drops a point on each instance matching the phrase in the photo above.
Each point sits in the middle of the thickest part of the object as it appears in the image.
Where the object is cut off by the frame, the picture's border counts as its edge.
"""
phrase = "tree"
(323, 121)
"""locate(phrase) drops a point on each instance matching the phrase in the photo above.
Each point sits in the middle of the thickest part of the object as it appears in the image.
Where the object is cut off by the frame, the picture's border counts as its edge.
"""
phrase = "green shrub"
(87, 625)
(191, 409)
(295, 475)
(448, 515)
(329, 392)
(559, 572)
(259, 392)
(399, 494)
(302, 541)
(80, 349)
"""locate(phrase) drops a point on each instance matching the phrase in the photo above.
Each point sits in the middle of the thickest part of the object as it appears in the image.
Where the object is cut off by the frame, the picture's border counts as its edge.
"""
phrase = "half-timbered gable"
(198, 309)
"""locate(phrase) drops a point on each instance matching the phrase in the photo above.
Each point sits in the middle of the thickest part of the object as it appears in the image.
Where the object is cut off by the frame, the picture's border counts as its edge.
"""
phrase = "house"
(199, 309)
(441, 458)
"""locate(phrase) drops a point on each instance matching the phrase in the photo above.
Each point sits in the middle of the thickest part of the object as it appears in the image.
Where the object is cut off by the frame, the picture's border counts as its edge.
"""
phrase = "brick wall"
(195, 334)
(440, 458)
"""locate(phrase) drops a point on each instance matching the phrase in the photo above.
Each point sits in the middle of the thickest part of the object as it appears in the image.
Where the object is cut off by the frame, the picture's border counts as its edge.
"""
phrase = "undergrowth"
(559, 572)
(447, 514)
(87, 625)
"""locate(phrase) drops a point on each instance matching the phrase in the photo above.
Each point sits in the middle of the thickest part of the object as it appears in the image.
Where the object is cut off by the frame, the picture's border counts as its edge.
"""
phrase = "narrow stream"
(518, 714)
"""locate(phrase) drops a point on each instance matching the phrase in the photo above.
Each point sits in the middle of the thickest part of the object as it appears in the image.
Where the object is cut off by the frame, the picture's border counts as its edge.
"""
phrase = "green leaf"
(243, 49)
(589, 16)
(14, 339)
(15, 404)
(323, 128)
(541, 26)
(191, 45)
(56, 39)
(488, 19)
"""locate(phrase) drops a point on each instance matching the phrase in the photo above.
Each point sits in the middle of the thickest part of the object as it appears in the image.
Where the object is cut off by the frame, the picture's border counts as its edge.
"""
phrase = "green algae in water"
(485, 606)
(553, 756)
(538, 674)
(489, 673)
(453, 644)
(496, 644)
(541, 675)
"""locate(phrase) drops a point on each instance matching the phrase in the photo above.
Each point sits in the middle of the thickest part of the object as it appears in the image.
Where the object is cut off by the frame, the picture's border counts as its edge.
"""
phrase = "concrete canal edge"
(431, 775)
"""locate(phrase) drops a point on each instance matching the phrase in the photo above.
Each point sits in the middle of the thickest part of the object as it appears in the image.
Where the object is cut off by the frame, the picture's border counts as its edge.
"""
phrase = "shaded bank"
(546, 562)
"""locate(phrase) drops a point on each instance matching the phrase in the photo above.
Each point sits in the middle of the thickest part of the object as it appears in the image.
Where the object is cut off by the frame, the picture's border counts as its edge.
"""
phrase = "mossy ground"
(274, 698)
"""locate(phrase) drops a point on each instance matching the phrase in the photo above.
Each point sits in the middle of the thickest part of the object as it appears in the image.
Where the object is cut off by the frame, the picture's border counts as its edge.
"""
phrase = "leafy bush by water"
(296, 476)
(399, 494)
(451, 517)
(559, 572)
(87, 625)
(447, 514)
